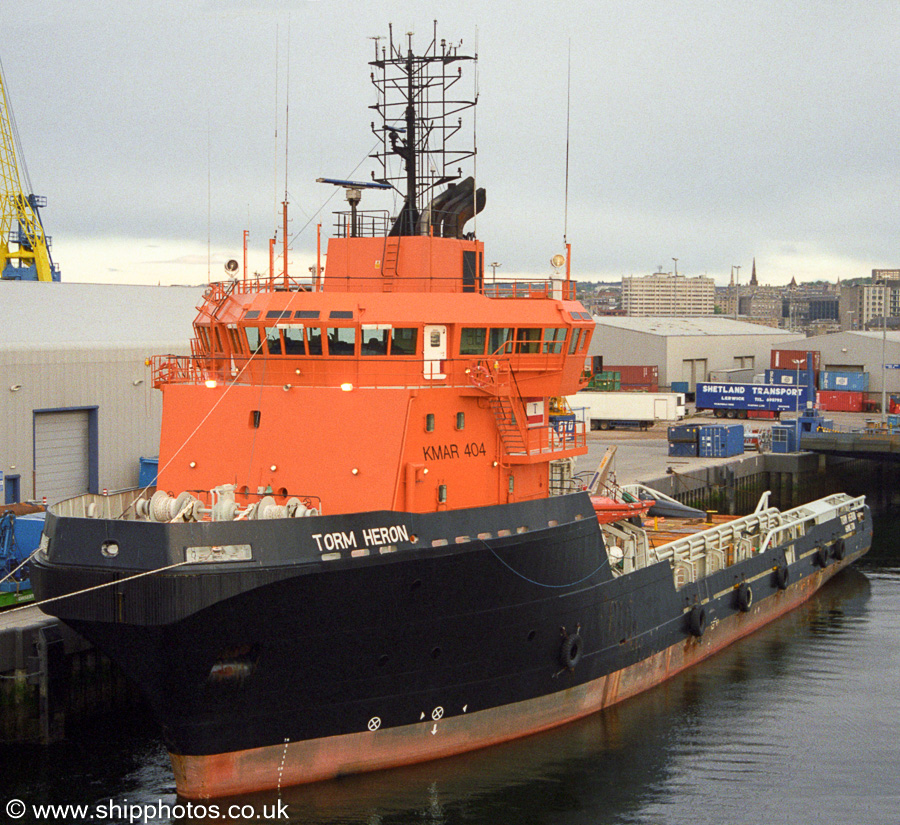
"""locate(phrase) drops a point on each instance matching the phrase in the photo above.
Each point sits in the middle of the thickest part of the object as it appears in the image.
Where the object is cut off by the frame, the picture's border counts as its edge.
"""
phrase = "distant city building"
(665, 294)
(866, 304)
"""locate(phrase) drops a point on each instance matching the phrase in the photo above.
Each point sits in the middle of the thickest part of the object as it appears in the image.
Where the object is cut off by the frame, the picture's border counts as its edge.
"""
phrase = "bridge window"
(404, 340)
(374, 341)
(472, 340)
(203, 335)
(254, 340)
(528, 340)
(576, 338)
(341, 340)
(314, 340)
(500, 341)
(273, 340)
(554, 338)
(293, 339)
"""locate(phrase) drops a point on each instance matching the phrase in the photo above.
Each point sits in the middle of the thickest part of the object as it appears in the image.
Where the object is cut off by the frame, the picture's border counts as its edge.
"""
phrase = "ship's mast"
(416, 109)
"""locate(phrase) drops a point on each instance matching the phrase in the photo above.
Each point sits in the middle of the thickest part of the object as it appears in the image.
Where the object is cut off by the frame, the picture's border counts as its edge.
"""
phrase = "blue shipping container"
(684, 432)
(681, 386)
(721, 440)
(147, 476)
(848, 381)
(788, 377)
(683, 449)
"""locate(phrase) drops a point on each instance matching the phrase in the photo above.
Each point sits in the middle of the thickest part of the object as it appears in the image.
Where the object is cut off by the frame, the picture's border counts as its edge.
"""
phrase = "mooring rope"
(95, 587)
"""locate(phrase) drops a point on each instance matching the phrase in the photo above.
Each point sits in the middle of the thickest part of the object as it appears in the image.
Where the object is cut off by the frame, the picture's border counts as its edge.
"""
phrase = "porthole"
(531, 635)
(110, 548)
(435, 653)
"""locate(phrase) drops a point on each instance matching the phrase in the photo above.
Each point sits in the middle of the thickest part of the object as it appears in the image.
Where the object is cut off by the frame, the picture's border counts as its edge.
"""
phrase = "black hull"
(250, 658)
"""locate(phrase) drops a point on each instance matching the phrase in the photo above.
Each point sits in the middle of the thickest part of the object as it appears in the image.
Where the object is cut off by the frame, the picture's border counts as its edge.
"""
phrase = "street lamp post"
(883, 343)
(494, 266)
(797, 363)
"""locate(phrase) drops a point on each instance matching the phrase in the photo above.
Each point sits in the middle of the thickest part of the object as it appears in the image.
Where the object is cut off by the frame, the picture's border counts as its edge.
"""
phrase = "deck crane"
(24, 247)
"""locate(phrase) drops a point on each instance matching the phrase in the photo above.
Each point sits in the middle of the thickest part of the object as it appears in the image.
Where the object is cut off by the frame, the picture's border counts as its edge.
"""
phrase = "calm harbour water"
(797, 724)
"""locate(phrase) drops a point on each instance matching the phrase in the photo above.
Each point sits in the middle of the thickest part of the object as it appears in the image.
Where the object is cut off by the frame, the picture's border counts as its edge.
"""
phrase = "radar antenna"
(420, 115)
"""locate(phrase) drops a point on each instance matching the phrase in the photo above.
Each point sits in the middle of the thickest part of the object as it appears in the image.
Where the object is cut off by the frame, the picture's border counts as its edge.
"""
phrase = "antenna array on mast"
(420, 115)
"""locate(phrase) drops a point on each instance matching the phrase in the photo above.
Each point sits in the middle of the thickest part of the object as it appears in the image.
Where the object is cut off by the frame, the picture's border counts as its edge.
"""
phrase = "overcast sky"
(711, 132)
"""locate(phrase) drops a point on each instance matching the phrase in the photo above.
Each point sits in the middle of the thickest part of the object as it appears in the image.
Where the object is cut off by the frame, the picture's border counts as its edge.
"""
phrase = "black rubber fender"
(570, 650)
(839, 549)
(822, 556)
(697, 620)
(782, 576)
(744, 597)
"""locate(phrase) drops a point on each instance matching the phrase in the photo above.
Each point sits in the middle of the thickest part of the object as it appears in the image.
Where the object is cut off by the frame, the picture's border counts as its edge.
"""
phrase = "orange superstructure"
(366, 399)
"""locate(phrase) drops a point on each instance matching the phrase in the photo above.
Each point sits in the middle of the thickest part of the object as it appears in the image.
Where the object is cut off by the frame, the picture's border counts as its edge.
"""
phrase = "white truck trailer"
(608, 410)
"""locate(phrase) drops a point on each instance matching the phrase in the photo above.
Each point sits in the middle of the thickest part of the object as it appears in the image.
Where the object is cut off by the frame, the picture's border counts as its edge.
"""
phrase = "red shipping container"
(644, 376)
(760, 414)
(783, 359)
(840, 400)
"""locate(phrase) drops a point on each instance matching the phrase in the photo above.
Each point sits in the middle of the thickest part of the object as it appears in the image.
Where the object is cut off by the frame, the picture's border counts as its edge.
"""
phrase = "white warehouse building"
(77, 405)
(688, 349)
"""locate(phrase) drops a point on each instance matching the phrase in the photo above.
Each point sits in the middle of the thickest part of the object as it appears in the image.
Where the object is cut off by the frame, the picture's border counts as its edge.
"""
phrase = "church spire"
(753, 281)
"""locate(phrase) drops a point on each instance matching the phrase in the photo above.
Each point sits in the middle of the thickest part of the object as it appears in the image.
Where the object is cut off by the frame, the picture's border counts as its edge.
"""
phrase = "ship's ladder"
(497, 381)
(508, 423)
(389, 262)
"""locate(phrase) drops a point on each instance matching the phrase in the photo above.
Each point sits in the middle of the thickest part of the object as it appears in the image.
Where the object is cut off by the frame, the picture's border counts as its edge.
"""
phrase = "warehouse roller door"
(62, 454)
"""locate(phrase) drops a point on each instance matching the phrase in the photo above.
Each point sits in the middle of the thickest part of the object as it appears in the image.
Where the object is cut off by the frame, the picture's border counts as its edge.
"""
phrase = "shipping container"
(721, 440)
(841, 401)
(641, 375)
(683, 449)
(786, 359)
(788, 377)
(847, 381)
(684, 432)
(681, 386)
